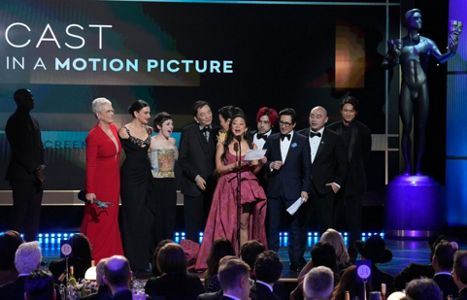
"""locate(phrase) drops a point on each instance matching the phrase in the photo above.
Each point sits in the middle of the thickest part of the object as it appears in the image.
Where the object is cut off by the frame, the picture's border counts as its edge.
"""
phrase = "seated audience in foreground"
(103, 291)
(175, 282)
(219, 294)
(220, 248)
(117, 276)
(268, 269)
(28, 258)
(334, 238)
(9, 243)
(39, 285)
(350, 282)
(442, 262)
(234, 277)
(423, 289)
(318, 283)
(249, 252)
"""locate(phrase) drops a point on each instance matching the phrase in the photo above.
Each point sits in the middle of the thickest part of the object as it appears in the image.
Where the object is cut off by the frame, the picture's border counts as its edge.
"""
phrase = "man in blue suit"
(289, 166)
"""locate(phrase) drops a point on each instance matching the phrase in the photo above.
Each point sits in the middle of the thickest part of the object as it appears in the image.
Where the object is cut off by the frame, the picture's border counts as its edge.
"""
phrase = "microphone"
(235, 147)
(238, 138)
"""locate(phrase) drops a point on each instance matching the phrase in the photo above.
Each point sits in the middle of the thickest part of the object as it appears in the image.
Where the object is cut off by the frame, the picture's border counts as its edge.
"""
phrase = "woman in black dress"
(135, 186)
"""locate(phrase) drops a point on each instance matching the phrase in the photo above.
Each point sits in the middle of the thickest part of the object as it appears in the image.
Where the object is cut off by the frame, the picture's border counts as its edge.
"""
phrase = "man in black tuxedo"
(26, 168)
(442, 262)
(357, 139)
(329, 166)
(197, 150)
(288, 163)
(268, 268)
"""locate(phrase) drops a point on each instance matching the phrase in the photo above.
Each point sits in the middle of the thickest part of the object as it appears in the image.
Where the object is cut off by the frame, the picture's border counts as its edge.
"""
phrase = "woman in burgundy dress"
(103, 148)
(222, 220)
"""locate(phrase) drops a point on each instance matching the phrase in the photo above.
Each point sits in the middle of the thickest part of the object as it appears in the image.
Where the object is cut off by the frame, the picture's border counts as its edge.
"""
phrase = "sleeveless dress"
(222, 219)
(100, 225)
(136, 218)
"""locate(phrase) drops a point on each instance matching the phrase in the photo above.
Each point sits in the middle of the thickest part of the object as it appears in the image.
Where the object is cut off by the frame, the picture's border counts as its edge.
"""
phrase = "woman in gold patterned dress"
(163, 153)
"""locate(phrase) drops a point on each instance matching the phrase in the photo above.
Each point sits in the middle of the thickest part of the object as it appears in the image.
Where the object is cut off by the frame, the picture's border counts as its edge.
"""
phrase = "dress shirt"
(265, 284)
(314, 144)
(232, 297)
(285, 145)
(260, 142)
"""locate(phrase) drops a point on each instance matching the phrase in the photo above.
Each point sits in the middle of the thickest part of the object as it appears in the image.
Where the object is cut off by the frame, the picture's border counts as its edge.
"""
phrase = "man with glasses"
(289, 166)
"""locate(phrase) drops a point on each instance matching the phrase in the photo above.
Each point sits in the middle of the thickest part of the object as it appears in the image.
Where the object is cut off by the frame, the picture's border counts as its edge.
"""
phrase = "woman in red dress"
(222, 220)
(103, 148)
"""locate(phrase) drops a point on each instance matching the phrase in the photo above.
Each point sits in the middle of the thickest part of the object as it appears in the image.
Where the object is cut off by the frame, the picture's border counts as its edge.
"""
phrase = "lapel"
(322, 145)
(353, 140)
(293, 140)
(201, 139)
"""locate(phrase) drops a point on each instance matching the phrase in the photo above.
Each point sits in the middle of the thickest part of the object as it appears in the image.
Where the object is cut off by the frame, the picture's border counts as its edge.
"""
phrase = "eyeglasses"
(285, 123)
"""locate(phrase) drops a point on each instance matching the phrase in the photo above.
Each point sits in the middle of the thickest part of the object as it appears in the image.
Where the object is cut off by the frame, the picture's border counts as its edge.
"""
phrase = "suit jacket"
(212, 296)
(378, 277)
(13, 290)
(196, 158)
(293, 177)
(413, 271)
(174, 286)
(330, 164)
(261, 292)
(446, 284)
(27, 152)
(358, 154)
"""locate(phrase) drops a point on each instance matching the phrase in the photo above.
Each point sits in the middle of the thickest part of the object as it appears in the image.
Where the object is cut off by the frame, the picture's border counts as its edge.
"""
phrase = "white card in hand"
(255, 154)
(292, 209)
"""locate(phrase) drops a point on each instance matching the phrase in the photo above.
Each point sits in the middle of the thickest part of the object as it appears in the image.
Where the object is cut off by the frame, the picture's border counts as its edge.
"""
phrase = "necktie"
(312, 134)
(283, 136)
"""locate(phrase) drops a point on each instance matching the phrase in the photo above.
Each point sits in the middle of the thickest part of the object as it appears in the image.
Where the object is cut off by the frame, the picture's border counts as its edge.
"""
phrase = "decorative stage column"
(413, 206)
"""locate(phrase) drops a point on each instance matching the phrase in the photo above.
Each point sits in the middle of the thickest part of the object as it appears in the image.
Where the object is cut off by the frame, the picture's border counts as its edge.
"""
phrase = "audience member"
(219, 249)
(103, 291)
(9, 243)
(460, 273)
(442, 262)
(375, 250)
(318, 283)
(219, 294)
(350, 282)
(423, 289)
(268, 269)
(155, 270)
(27, 259)
(174, 283)
(234, 277)
(80, 259)
(334, 238)
(117, 276)
(250, 251)
(414, 270)
(39, 285)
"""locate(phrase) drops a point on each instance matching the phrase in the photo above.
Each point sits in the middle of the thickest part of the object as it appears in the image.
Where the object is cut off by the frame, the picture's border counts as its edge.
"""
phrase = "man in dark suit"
(442, 263)
(268, 268)
(288, 163)
(329, 166)
(197, 150)
(460, 273)
(26, 168)
(357, 139)
(28, 257)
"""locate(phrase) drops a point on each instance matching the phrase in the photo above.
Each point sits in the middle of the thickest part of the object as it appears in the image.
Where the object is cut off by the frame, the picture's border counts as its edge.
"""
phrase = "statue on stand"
(412, 52)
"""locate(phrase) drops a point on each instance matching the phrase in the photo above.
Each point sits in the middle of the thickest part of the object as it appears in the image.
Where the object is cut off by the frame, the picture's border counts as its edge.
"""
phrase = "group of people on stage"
(242, 199)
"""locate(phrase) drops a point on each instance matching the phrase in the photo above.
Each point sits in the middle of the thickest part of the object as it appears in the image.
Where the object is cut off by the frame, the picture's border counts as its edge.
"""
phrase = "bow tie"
(205, 129)
(283, 136)
(312, 134)
(261, 136)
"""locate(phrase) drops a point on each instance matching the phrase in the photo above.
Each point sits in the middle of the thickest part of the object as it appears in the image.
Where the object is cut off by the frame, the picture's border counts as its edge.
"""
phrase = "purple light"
(413, 206)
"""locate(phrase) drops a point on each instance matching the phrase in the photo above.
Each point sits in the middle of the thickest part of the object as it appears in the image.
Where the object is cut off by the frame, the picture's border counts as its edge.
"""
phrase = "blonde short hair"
(98, 103)
(28, 257)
